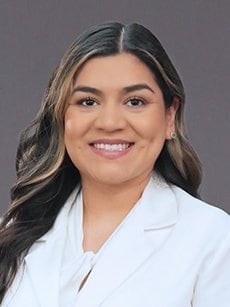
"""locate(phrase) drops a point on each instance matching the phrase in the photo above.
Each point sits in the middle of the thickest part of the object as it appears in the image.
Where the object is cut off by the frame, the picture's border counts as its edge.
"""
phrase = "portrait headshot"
(107, 198)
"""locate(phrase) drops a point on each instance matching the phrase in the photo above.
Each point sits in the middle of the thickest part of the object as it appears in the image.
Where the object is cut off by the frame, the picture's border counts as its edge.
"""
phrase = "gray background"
(34, 35)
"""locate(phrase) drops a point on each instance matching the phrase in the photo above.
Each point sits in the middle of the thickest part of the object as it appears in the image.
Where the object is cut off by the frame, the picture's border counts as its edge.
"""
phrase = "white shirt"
(76, 263)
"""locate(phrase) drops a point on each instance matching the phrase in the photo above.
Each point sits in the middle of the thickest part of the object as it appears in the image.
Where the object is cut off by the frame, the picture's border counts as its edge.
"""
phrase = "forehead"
(120, 69)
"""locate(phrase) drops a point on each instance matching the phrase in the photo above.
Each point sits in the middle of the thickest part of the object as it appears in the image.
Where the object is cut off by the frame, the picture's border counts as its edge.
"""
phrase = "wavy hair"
(45, 174)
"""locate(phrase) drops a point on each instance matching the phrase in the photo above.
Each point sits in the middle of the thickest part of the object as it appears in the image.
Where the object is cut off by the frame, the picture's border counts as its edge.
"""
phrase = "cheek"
(68, 127)
(69, 133)
(74, 135)
(153, 127)
(71, 137)
(71, 140)
(68, 123)
(72, 127)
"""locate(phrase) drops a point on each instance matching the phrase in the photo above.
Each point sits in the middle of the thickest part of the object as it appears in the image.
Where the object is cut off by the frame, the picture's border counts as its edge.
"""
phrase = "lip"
(108, 153)
(111, 141)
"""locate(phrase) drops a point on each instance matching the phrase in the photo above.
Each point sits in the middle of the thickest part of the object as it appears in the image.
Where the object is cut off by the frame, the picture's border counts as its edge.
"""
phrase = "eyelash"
(136, 99)
(87, 99)
(83, 102)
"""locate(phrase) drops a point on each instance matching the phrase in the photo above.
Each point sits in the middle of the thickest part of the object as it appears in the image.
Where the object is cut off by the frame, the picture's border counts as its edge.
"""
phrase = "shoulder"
(189, 204)
(200, 216)
(203, 231)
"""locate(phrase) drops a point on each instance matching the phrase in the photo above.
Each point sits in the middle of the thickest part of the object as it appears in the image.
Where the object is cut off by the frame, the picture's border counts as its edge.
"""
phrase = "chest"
(162, 280)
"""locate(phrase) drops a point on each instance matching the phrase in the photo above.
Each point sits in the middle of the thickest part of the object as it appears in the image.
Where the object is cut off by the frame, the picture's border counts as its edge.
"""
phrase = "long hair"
(45, 174)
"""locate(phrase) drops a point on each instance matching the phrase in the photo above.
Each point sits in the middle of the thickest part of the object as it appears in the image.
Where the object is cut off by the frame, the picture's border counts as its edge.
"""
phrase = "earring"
(173, 135)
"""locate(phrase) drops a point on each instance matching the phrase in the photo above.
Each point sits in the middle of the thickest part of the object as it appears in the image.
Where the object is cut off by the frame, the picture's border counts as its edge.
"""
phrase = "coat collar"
(143, 233)
(158, 206)
(44, 258)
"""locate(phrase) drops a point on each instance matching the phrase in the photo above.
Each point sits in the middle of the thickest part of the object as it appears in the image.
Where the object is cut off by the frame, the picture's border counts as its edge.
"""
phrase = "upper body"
(112, 116)
(172, 250)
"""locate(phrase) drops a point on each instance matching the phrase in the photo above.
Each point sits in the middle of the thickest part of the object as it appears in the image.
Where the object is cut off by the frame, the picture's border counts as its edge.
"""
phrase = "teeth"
(111, 147)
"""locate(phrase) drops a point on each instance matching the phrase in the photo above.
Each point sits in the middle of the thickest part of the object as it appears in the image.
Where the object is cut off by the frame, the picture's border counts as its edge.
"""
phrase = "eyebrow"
(127, 89)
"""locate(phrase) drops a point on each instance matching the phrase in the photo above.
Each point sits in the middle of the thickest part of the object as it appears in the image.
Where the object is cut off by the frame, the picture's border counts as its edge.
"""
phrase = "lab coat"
(174, 251)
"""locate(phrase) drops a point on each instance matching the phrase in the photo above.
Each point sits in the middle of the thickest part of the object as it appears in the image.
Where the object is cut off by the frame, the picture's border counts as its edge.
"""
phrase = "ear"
(171, 118)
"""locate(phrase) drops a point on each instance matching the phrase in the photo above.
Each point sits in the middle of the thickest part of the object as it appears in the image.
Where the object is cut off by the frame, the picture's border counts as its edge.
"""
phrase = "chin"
(112, 179)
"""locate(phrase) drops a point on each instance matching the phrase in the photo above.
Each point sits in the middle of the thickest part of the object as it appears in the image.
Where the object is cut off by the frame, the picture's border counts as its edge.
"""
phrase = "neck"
(100, 199)
(105, 206)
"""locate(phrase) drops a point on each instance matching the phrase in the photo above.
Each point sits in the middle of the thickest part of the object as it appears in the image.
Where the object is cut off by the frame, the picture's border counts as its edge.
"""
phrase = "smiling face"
(116, 122)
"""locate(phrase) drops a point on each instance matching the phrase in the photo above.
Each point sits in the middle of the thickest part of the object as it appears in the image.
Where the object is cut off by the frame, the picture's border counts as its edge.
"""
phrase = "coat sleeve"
(213, 284)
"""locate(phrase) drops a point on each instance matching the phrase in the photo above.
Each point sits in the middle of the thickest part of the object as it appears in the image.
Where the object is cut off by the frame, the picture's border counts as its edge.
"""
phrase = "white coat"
(174, 252)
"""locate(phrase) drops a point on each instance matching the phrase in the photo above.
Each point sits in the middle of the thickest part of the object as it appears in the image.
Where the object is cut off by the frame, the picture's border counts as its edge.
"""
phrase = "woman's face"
(116, 122)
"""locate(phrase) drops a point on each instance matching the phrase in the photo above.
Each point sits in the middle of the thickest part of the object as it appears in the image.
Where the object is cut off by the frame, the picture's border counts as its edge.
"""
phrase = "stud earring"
(173, 135)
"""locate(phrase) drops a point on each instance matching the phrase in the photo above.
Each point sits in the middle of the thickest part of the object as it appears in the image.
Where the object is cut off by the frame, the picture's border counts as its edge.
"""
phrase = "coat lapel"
(43, 262)
(144, 232)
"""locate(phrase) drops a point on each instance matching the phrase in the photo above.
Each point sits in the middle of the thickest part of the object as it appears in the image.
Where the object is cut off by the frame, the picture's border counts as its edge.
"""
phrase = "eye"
(135, 102)
(87, 102)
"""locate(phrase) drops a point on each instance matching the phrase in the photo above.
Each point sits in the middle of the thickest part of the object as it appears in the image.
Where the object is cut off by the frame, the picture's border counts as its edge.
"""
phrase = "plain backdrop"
(196, 34)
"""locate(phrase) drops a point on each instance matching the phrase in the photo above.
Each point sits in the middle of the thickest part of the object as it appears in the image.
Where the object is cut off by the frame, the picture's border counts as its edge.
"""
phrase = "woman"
(105, 209)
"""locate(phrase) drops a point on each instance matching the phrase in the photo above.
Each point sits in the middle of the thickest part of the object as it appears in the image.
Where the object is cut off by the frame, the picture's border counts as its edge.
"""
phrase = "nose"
(111, 118)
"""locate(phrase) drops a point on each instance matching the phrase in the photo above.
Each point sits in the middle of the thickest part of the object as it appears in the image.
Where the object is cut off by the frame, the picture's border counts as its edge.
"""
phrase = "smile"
(112, 147)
